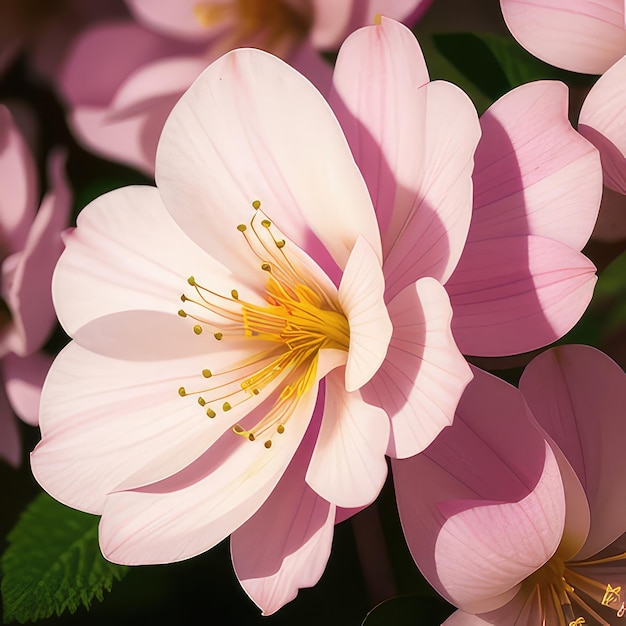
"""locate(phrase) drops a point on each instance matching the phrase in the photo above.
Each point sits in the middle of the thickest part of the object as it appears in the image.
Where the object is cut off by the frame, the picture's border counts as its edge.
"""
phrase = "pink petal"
(19, 187)
(27, 274)
(424, 374)
(515, 294)
(611, 224)
(361, 298)
(578, 395)
(251, 128)
(10, 444)
(578, 35)
(310, 63)
(118, 284)
(491, 470)
(331, 21)
(174, 19)
(296, 527)
(534, 174)
(348, 466)
(23, 380)
(602, 122)
(195, 509)
(414, 144)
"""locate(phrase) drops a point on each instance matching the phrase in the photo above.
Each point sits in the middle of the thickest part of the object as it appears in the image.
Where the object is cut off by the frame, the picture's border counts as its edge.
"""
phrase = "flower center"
(269, 20)
(299, 318)
(566, 591)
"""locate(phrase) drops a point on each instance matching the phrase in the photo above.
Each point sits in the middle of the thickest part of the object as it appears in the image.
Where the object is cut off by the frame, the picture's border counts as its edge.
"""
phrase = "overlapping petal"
(190, 512)
(414, 143)
(424, 374)
(578, 395)
(601, 120)
(579, 35)
(268, 113)
(348, 466)
(491, 470)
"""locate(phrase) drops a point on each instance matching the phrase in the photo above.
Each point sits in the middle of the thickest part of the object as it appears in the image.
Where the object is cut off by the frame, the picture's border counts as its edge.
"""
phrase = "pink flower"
(265, 405)
(515, 513)
(579, 35)
(31, 244)
(121, 79)
(603, 121)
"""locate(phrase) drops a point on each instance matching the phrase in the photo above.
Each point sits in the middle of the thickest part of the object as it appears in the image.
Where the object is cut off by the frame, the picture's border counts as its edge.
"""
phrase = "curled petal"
(579, 35)
(361, 298)
(602, 122)
(348, 466)
(251, 128)
(577, 394)
(515, 294)
(534, 173)
(424, 374)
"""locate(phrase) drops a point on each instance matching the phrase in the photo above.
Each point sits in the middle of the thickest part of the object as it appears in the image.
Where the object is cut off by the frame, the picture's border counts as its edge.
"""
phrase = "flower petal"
(515, 294)
(10, 444)
(611, 224)
(23, 380)
(272, 566)
(135, 416)
(118, 283)
(534, 173)
(414, 143)
(348, 466)
(19, 187)
(578, 35)
(491, 470)
(601, 120)
(26, 284)
(424, 374)
(578, 394)
(361, 298)
(195, 509)
(252, 128)
(331, 21)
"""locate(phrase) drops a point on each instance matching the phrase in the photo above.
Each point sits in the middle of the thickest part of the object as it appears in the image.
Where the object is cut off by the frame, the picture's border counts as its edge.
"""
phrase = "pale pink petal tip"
(424, 373)
(361, 297)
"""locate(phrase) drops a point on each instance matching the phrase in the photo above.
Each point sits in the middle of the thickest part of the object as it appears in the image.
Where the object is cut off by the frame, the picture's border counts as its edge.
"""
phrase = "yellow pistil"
(266, 23)
(565, 592)
(298, 319)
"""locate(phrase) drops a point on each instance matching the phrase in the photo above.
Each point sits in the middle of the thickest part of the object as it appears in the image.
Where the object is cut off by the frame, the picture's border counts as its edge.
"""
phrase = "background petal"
(579, 35)
(424, 374)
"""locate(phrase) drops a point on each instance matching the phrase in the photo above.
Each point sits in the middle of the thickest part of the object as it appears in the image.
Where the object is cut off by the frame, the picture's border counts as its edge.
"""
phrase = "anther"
(201, 401)
(226, 406)
(218, 336)
(192, 281)
(251, 437)
(256, 204)
(242, 228)
(210, 413)
(280, 429)
(197, 329)
(266, 267)
(181, 392)
(268, 444)
(280, 243)
(266, 223)
(235, 294)
(207, 373)
(182, 313)
(183, 298)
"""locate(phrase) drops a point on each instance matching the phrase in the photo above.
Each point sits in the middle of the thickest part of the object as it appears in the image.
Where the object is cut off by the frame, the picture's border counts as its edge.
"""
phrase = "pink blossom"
(121, 79)
(31, 244)
(516, 513)
(579, 35)
(267, 396)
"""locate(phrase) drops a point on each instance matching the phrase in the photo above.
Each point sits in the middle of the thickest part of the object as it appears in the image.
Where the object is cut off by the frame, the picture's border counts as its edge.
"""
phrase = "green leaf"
(497, 64)
(53, 562)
